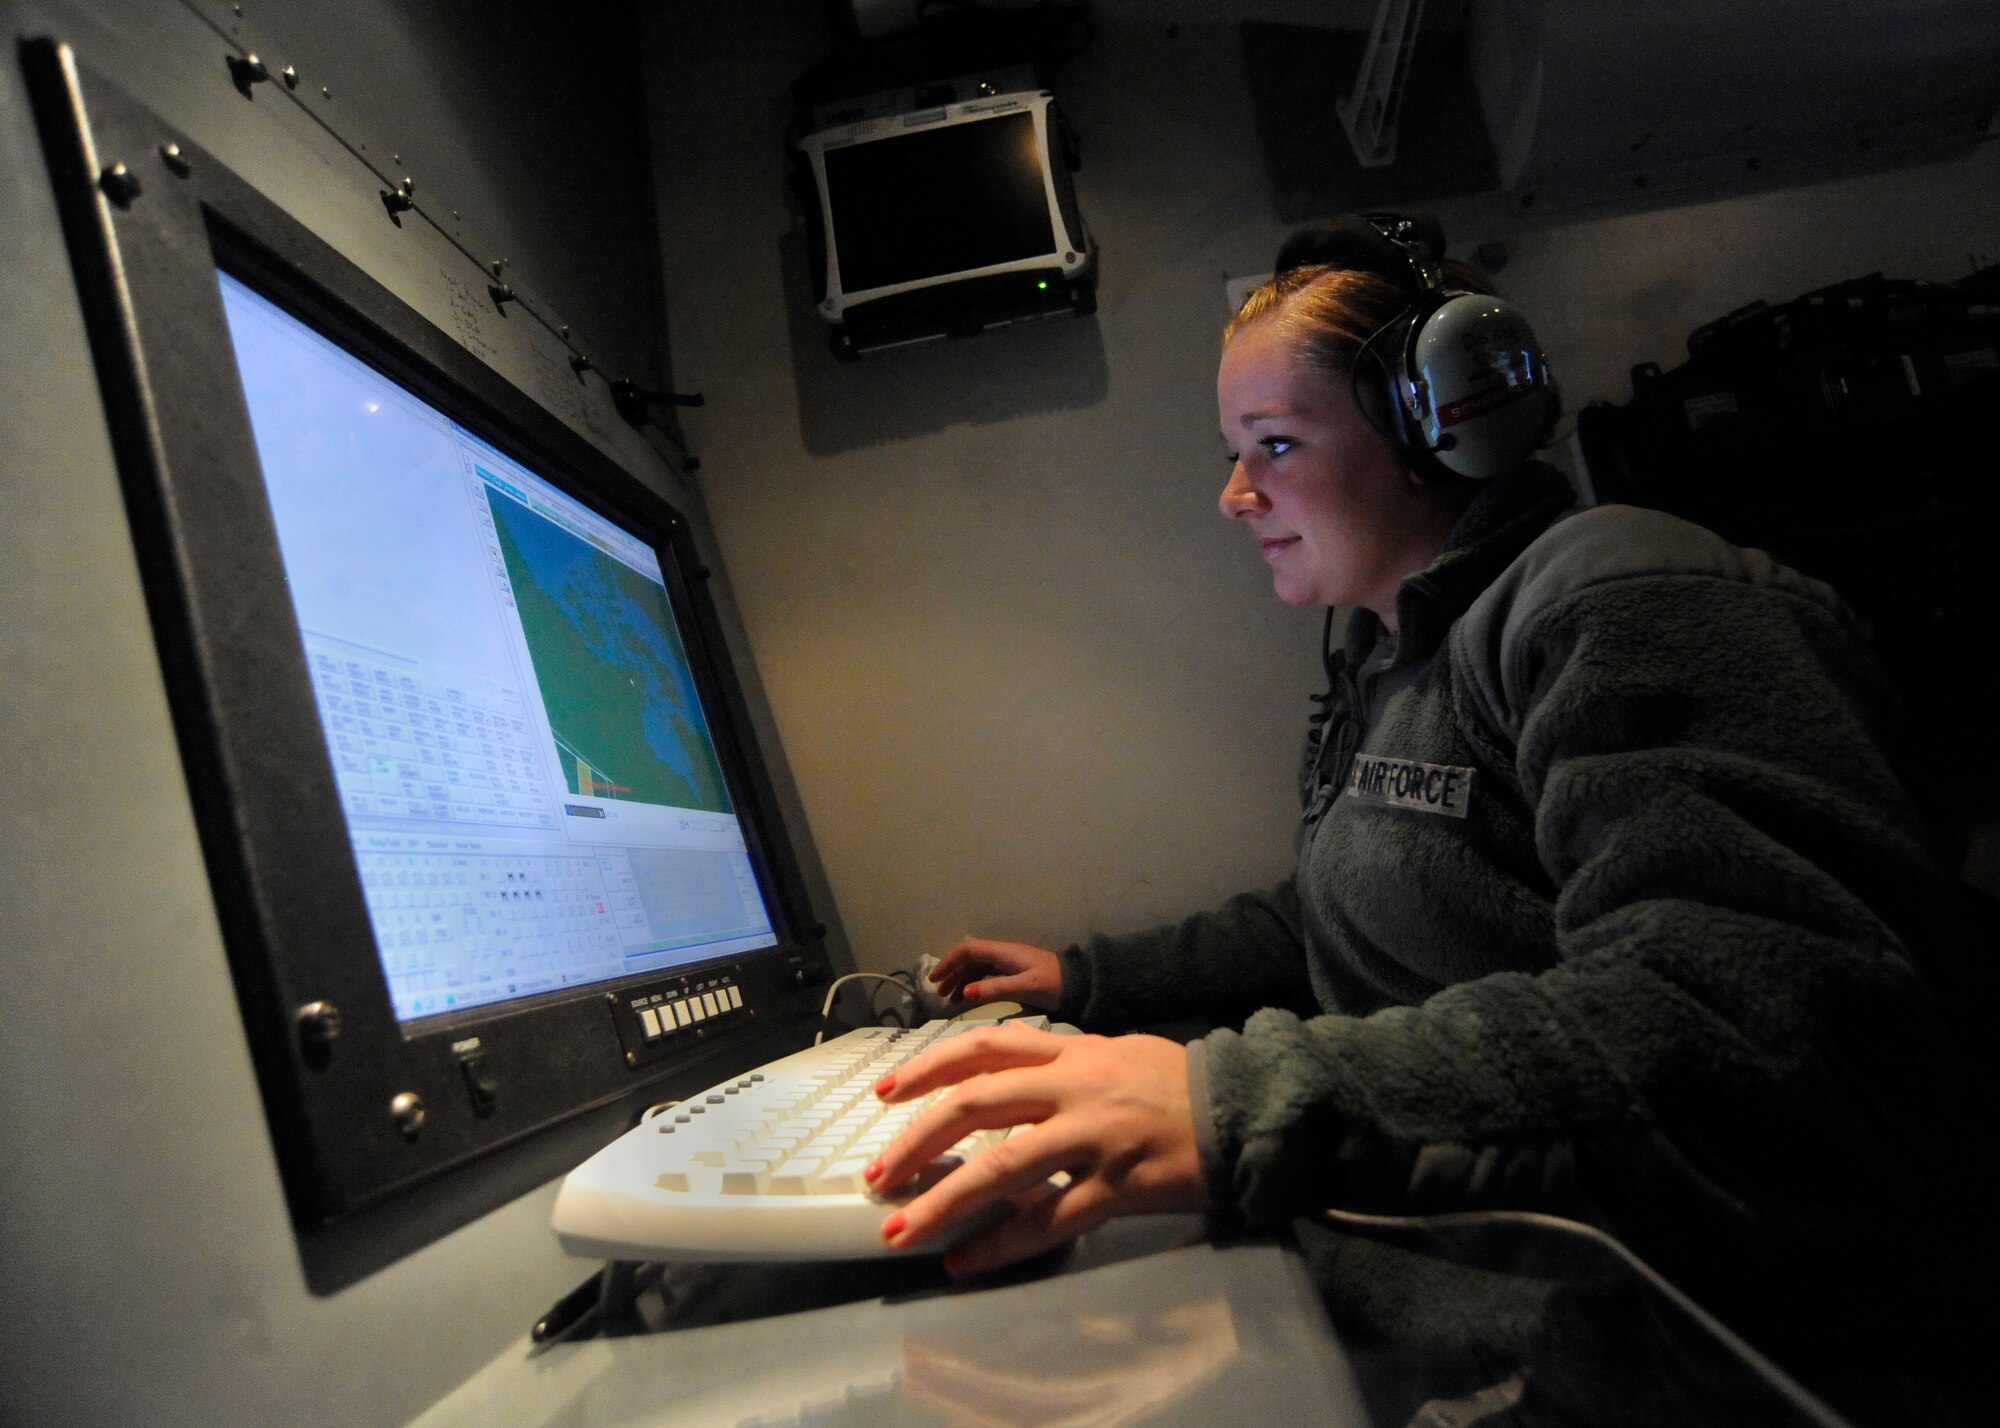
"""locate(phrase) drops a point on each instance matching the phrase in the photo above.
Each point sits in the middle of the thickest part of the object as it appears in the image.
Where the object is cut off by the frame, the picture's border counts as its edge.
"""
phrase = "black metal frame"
(955, 307)
(332, 1060)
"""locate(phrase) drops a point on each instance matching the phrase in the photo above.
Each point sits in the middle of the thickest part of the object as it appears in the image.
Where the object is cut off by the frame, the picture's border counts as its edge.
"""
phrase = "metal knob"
(407, 1111)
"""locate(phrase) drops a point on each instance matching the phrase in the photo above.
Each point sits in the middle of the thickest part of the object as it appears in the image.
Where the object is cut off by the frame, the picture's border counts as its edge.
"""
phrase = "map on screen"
(613, 676)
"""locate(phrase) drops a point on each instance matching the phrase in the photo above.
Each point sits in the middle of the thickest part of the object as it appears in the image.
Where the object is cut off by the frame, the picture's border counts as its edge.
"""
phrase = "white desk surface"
(1143, 1321)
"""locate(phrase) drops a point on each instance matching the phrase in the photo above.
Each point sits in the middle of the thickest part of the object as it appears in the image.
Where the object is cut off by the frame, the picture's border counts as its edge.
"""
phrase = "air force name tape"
(1404, 783)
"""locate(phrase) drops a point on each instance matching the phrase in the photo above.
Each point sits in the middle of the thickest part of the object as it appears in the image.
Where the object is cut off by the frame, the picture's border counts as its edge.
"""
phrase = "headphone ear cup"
(1387, 389)
(1411, 392)
(1484, 385)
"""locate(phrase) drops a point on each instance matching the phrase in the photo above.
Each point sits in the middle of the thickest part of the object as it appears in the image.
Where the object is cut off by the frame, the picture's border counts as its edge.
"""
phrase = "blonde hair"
(1328, 313)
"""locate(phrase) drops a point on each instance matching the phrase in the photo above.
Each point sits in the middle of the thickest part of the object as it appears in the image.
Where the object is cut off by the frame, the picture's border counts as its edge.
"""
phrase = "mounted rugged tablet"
(944, 210)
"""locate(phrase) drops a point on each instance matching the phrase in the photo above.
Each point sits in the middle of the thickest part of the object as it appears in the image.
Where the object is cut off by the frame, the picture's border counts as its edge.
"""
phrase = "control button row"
(673, 1016)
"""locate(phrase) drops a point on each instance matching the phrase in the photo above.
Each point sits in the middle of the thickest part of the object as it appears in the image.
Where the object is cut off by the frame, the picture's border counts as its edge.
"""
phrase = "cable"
(903, 980)
(1782, 1383)
(826, 1007)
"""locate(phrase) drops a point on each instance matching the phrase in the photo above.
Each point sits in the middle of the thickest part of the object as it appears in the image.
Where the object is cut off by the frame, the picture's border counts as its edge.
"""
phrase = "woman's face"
(1340, 517)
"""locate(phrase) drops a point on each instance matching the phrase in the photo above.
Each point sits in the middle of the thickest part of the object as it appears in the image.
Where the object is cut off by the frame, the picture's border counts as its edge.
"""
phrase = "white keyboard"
(764, 1166)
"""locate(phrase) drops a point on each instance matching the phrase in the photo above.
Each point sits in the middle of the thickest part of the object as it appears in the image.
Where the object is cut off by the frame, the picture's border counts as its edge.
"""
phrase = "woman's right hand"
(981, 970)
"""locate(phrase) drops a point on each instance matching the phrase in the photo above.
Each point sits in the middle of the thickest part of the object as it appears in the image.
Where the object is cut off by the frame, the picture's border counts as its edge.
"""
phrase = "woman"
(1606, 902)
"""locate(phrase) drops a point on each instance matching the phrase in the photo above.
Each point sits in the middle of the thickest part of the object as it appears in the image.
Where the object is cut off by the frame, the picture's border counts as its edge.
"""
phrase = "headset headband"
(1419, 239)
(1467, 390)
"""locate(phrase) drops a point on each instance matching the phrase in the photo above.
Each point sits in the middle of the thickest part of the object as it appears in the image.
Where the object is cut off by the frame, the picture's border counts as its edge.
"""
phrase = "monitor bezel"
(1069, 257)
(363, 1187)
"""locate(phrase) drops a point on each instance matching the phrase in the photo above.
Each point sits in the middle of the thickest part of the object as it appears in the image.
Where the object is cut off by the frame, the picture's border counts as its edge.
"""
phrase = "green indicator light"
(1043, 284)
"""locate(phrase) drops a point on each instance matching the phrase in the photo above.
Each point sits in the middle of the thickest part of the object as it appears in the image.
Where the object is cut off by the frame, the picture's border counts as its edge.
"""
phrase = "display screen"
(531, 785)
(936, 201)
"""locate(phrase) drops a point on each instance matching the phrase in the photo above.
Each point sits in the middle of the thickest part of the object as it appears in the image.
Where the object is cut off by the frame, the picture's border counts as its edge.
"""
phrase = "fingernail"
(893, 1226)
(874, 1169)
(887, 1084)
(972, 992)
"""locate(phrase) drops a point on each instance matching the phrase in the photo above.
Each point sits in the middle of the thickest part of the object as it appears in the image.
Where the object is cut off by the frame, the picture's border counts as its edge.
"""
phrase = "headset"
(1466, 386)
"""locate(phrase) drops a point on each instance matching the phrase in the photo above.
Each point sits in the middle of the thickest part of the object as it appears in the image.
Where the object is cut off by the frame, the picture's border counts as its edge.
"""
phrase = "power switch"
(480, 1083)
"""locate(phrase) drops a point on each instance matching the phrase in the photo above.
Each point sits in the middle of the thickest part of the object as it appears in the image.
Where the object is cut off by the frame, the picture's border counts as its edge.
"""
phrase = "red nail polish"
(873, 1169)
(972, 992)
(893, 1226)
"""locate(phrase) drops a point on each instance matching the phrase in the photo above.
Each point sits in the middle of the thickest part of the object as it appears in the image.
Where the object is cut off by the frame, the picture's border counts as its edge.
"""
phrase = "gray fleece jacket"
(1603, 907)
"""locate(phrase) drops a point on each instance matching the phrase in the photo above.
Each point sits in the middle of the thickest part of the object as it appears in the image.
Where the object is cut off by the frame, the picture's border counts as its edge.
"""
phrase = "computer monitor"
(936, 215)
(495, 855)
(529, 778)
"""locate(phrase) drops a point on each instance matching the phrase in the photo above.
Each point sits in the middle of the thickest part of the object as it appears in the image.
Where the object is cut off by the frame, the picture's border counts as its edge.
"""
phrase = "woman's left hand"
(1111, 1113)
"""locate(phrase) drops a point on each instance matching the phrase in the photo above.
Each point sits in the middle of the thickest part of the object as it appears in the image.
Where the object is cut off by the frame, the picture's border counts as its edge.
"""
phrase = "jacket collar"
(1506, 515)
